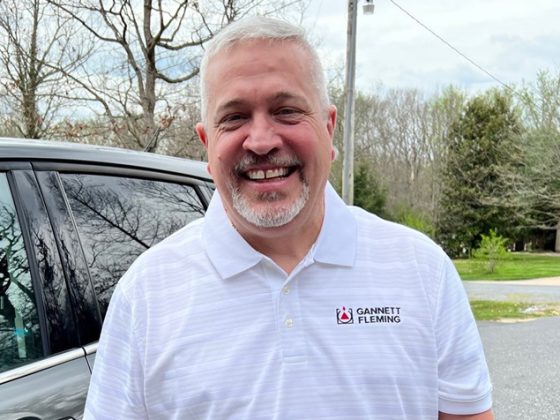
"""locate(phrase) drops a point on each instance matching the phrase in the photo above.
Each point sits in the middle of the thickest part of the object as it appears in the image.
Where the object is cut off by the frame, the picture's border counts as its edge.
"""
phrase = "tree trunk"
(557, 243)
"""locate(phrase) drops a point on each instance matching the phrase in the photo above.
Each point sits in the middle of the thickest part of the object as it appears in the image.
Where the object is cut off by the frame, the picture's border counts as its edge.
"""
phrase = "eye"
(287, 111)
(232, 121)
(289, 114)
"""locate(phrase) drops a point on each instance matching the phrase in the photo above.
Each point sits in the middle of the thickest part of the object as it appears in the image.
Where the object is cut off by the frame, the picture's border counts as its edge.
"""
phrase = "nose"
(262, 137)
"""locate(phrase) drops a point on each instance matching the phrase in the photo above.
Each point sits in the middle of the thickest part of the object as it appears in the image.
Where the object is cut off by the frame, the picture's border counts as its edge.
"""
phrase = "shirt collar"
(337, 240)
(230, 254)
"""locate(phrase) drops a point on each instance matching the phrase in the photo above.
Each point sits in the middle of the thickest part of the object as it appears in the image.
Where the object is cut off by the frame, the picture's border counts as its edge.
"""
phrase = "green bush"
(492, 249)
(369, 193)
(416, 220)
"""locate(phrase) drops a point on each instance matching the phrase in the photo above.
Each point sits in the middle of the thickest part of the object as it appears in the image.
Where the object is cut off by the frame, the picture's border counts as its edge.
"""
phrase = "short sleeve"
(463, 377)
(116, 390)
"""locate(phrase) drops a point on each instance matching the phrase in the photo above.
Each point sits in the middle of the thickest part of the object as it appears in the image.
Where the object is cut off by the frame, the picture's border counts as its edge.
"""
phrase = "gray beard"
(269, 217)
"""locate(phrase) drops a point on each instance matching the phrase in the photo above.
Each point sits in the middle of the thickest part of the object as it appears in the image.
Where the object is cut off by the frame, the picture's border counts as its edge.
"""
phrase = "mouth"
(269, 174)
(267, 168)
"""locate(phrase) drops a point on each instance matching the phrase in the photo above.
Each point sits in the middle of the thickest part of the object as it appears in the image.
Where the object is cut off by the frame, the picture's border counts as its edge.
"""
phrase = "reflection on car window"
(119, 218)
(20, 335)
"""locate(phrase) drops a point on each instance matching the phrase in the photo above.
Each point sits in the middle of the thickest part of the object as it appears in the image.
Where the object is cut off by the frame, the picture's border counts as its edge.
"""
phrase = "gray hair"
(260, 27)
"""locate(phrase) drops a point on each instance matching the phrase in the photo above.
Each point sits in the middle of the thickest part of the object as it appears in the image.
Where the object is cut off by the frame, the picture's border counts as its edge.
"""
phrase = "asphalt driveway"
(524, 361)
(523, 357)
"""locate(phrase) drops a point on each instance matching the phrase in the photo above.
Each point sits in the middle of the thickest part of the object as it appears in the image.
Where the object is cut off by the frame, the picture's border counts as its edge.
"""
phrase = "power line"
(523, 98)
(474, 63)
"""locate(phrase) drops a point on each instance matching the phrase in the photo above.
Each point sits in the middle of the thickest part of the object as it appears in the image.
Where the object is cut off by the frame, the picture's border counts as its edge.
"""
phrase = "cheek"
(224, 159)
(219, 150)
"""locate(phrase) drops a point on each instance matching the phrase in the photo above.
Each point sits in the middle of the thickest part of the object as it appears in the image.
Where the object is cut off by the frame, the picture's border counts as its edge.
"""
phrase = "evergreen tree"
(480, 145)
(368, 192)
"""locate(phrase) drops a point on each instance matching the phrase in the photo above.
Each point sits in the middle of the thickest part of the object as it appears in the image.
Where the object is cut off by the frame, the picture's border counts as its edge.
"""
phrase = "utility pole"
(348, 162)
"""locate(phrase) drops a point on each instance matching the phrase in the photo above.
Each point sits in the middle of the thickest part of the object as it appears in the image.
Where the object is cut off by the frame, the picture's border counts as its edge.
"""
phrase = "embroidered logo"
(369, 315)
(344, 316)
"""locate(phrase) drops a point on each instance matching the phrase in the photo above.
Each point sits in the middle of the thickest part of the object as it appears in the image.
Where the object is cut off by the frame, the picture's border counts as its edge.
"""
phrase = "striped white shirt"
(374, 323)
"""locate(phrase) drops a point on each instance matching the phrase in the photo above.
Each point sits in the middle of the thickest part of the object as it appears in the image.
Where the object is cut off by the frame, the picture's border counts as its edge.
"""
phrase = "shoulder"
(387, 236)
(404, 254)
(166, 262)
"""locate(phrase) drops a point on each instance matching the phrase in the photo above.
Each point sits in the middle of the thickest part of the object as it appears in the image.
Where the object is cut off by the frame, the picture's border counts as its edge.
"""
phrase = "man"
(283, 303)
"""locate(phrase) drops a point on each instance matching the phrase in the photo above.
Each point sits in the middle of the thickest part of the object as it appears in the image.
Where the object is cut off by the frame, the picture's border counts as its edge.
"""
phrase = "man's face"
(269, 140)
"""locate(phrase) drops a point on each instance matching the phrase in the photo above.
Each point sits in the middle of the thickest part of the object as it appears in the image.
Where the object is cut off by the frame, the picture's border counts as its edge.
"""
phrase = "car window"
(119, 218)
(20, 333)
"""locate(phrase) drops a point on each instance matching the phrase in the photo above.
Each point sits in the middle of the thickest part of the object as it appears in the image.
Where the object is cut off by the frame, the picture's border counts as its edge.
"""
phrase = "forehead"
(255, 49)
(254, 61)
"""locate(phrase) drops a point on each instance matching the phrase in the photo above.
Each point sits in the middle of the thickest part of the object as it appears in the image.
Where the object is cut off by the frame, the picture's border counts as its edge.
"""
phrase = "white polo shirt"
(374, 323)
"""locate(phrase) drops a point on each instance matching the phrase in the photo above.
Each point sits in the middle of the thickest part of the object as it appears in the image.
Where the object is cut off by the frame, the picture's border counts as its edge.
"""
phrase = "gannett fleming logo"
(344, 316)
(369, 315)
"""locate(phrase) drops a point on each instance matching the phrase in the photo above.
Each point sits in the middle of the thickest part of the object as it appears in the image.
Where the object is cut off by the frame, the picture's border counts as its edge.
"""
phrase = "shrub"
(492, 249)
(417, 221)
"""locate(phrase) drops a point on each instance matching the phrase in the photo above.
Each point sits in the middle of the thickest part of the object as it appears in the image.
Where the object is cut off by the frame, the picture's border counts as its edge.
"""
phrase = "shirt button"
(289, 323)
(286, 290)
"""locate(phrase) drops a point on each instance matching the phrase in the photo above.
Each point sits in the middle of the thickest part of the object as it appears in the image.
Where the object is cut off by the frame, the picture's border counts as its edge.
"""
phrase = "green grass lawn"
(487, 310)
(518, 266)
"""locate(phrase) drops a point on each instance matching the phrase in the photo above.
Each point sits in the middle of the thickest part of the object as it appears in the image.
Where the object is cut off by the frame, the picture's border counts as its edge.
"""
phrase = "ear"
(331, 120)
(331, 124)
(334, 153)
(204, 140)
(202, 135)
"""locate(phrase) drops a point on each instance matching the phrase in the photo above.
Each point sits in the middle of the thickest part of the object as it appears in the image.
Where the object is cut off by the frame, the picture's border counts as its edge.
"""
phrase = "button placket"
(288, 314)
(291, 327)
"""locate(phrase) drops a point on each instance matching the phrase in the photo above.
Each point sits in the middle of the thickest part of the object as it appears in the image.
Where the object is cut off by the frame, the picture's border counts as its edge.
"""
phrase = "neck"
(286, 245)
(286, 252)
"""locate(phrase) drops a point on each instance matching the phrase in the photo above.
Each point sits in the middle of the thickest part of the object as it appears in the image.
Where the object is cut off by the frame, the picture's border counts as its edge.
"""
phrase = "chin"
(272, 212)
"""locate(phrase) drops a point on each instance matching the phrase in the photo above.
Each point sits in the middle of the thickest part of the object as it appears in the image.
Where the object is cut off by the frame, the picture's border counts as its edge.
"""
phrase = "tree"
(148, 51)
(480, 145)
(537, 183)
(399, 134)
(35, 53)
(368, 193)
(492, 249)
(445, 109)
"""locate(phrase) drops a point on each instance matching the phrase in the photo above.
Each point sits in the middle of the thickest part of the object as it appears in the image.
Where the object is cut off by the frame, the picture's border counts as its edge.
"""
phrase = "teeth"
(274, 173)
(270, 173)
(255, 174)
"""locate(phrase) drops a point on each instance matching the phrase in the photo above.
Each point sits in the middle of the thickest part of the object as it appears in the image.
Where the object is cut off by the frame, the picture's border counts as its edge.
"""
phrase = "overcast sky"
(511, 39)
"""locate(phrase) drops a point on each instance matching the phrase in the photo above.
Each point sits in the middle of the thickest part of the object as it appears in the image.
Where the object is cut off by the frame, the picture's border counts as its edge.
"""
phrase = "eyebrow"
(280, 96)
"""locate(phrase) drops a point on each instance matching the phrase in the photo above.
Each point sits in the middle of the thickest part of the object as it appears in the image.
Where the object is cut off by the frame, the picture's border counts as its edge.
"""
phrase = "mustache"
(272, 159)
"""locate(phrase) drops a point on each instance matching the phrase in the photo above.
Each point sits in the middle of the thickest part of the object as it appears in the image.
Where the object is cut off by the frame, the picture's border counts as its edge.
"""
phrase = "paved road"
(524, 361)
(523, 357)
(533, 291)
